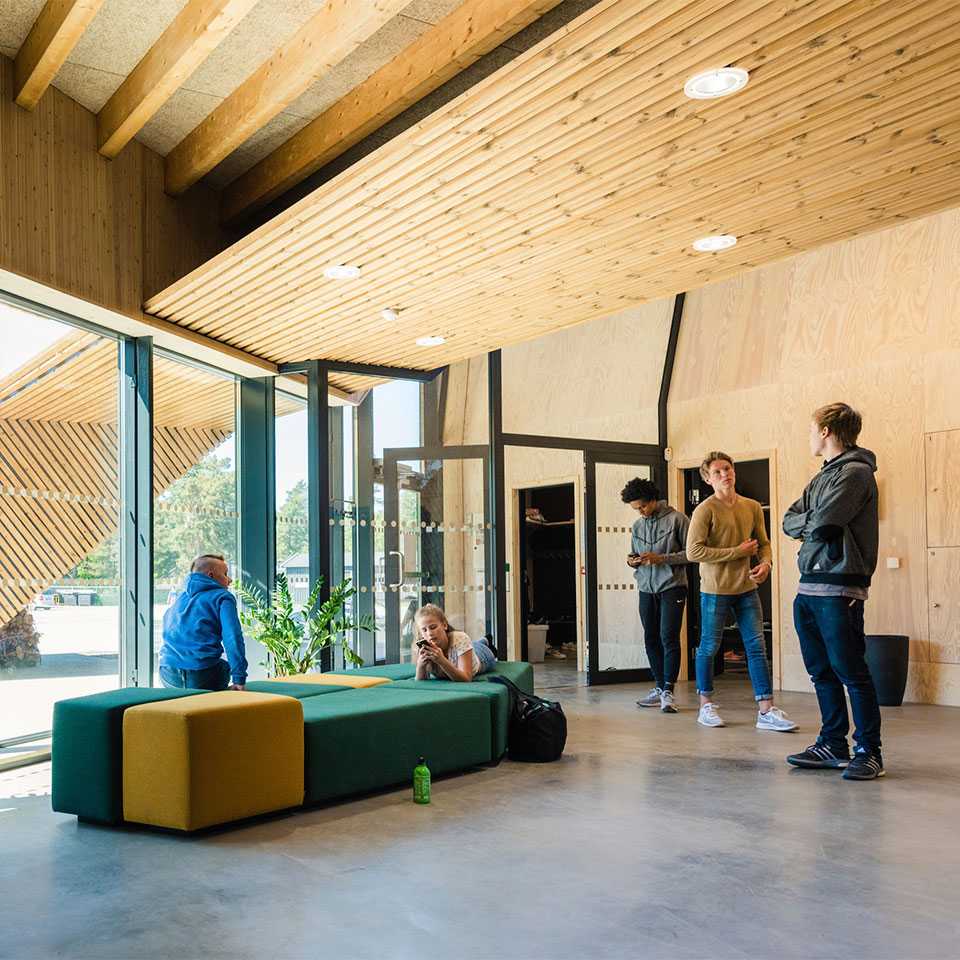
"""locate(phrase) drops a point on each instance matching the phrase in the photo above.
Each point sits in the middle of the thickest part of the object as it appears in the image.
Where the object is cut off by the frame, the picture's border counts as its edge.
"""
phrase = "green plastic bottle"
(421, 782)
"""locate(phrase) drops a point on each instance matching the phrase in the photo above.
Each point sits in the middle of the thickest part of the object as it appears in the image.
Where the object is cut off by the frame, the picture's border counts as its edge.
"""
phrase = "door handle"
(400, 569)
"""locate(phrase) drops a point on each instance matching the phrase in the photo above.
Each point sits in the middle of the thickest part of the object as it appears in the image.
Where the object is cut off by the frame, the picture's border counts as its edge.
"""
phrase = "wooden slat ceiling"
(570, 184)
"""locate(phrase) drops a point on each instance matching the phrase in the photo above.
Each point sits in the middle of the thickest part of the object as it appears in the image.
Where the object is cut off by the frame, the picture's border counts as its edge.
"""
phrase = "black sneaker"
(864, 766)
(818, 756)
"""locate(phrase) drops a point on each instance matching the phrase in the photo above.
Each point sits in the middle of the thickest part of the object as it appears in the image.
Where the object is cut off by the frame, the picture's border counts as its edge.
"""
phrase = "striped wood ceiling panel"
(570, 184)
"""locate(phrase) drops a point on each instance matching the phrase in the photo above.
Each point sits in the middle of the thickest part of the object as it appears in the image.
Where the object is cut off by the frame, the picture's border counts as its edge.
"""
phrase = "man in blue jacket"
(199, 628)
(837, 523)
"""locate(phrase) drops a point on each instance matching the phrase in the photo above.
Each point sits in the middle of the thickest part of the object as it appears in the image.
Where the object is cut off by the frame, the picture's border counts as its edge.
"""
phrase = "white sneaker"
(666, 702)
(708, 715)
(652, 699)
(775, 719)
(554, 653)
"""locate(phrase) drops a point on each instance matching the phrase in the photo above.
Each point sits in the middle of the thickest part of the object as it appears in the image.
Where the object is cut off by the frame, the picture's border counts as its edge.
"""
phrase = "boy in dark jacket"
(202, 626)
(836, 520)
(658, 558)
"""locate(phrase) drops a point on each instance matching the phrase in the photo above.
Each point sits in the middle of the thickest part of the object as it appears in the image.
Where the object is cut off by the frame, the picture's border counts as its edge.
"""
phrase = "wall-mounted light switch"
(893, 563)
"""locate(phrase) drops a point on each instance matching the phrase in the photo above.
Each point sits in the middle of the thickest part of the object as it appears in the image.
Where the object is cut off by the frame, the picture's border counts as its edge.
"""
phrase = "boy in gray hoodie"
(658, 558)
(837, 522)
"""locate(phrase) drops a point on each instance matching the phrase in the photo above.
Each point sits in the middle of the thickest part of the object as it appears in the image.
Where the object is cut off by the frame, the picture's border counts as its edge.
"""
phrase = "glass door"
(616, 651)
(432, 545)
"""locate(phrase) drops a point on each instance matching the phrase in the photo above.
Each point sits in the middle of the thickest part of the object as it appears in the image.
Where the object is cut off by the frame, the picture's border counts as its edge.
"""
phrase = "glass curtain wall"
(59, 517)
(292, 497)
(194, 479)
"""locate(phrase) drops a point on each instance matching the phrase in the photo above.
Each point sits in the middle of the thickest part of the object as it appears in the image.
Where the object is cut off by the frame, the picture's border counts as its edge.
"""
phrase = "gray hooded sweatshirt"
(664, 531)
(836, 518)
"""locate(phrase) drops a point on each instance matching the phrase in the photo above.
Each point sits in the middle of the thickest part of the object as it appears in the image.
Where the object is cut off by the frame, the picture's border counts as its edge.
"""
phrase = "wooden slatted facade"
(59, 493)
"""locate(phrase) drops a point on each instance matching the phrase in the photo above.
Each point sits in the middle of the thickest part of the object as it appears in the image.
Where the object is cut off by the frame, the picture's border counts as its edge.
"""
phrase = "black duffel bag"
(537, 731)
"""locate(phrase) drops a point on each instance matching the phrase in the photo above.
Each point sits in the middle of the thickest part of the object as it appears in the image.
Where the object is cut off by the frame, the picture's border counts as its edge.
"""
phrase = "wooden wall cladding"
(99, 229)
(942, 470)
(872, 322)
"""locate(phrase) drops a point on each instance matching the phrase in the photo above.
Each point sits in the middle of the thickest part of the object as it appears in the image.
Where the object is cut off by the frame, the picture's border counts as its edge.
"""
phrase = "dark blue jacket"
(201, 625)
(837, 520)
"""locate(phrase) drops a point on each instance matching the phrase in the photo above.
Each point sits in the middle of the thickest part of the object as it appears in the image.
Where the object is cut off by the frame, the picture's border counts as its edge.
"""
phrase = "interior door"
(434, 546)
(615, 646)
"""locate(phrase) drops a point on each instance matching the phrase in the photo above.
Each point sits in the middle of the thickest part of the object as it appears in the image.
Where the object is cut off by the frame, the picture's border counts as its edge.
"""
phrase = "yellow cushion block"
(336, 679)
(197, 761)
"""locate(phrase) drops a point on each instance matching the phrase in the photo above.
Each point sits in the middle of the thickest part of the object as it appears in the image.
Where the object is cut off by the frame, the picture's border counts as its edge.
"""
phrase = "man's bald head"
(212, 565)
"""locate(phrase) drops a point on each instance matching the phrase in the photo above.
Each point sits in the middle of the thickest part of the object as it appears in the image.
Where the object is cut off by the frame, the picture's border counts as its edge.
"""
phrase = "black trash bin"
(888, 657)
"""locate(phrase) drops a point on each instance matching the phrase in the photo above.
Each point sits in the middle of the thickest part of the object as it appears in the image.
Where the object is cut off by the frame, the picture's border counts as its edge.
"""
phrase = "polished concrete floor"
(653, 837)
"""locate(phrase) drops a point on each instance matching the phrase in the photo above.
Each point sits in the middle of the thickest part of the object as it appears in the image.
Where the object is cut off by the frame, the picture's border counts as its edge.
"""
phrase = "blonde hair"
(432, 610)
(841, 420)
(709, 458)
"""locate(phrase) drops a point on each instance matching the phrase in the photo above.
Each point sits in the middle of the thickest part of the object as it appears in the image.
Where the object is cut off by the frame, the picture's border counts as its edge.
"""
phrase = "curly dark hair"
(637, 489)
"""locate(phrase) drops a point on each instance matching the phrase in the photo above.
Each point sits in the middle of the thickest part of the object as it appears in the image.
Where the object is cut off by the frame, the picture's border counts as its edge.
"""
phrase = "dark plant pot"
(888, 657)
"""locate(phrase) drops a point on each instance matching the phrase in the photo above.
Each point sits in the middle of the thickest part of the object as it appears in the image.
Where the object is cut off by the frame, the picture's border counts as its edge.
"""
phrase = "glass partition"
(59, 516)
(195, 482)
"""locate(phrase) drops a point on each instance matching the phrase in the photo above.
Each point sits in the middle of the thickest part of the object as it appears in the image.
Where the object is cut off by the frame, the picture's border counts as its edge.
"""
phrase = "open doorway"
(753, 480)
(548, 577)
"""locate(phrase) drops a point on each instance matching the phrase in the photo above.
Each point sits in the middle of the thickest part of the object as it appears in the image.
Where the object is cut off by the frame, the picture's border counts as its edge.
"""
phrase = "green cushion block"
(367, 739)
(496, 695)
(87, 769)
(392, 671)
(298, 690)
(519, 672)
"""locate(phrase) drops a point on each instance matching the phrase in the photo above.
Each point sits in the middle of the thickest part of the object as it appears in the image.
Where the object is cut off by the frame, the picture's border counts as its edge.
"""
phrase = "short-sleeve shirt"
(460, 654)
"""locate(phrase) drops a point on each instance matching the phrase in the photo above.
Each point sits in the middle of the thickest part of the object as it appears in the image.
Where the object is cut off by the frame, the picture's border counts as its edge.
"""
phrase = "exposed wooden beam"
(475, 28)
(53, 35)
(195, 33)
(335, 31)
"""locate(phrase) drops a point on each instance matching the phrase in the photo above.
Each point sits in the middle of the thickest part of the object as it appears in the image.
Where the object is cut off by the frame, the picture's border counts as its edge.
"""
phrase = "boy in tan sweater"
(726, 530)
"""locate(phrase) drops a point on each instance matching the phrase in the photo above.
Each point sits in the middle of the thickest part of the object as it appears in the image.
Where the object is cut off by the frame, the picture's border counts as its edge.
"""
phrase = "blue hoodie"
(201, 625)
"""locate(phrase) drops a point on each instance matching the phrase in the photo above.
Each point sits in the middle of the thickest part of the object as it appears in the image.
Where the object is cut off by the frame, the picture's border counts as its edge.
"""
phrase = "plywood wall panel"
(873, 322)
(942, 468)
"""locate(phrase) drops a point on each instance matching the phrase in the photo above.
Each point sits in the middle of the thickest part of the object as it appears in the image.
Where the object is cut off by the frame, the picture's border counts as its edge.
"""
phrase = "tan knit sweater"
(716, 530)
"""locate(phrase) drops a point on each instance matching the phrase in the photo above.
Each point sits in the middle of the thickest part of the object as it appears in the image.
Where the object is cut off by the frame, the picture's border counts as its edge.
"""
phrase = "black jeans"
(661, 615)
(832, 643)
(216, 677)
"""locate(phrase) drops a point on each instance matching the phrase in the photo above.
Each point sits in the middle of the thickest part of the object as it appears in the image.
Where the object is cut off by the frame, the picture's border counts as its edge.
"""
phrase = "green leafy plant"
(295, 639)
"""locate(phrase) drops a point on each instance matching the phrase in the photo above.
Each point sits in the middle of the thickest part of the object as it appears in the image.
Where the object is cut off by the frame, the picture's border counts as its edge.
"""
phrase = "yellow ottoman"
(198, 761)
(335, 679)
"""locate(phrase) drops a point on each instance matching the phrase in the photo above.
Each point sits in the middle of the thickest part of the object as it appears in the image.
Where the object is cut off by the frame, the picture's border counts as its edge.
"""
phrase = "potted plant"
(295, 639)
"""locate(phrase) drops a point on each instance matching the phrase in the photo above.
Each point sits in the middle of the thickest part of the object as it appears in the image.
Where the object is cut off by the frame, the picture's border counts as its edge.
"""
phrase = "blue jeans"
(216, 677)
(749, 616)
(486, 656)
(832, 643)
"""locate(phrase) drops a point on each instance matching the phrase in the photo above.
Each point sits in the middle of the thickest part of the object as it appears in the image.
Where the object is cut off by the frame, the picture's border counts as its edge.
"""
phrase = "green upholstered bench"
(497, 696)
(519, 672)
(87, 769)
(298, 690)
(392, 671)
(364, 740)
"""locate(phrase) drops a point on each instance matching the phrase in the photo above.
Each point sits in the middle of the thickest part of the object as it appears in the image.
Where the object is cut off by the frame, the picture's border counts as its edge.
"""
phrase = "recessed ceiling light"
(720, 241)
(716, 83)
(390, 315)
(430, 341)
(341, 271)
